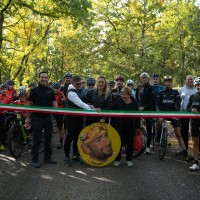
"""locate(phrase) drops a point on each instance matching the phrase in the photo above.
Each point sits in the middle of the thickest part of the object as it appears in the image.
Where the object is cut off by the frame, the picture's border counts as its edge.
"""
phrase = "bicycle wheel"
(15, 141)
(163, 144)
(139, 143)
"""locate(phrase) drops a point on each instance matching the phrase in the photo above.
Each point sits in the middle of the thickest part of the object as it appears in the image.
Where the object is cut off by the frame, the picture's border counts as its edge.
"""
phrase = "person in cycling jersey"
(4, 99)
(194, 106)
(169, 100)
(11, 91)
(145, 96)
(155, 83)
(61, 100)
(130, 84)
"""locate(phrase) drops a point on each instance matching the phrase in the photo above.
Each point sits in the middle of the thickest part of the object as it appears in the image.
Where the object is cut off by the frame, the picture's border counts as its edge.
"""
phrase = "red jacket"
(4, 99)
(18, 102)
(12, 94)
(61, 99)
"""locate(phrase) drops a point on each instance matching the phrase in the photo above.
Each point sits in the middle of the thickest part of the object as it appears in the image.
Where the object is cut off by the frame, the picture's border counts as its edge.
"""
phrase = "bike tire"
(144, 136)
(163, 145)
(15, 141)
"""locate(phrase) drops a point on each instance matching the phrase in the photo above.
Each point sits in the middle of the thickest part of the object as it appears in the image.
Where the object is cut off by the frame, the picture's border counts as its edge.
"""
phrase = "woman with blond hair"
(100, 97)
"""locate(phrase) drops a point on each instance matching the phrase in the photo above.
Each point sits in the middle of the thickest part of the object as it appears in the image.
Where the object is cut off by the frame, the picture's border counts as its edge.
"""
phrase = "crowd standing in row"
(98, 94)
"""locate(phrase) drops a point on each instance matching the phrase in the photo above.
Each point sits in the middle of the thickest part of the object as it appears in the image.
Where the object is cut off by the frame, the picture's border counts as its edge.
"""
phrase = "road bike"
(19, 136)
(163, 140)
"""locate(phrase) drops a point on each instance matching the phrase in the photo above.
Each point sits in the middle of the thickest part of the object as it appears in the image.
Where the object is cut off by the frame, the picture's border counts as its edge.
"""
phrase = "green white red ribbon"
(110, 113)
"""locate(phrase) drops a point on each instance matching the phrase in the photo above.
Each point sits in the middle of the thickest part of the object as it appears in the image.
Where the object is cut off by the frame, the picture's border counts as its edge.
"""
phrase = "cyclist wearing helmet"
(60, 81)
(111, 85)
(11, 91)
(185, 92)
(130, 84)
(90, 84)
(21, 101)
(61, 100)
(145, 96)
(67, 82)
(116, 92)
(4, 99)
(169, 100)
(194, 106)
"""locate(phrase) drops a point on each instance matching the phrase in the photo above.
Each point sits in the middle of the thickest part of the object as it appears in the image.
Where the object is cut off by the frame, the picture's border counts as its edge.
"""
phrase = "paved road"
(148, 179)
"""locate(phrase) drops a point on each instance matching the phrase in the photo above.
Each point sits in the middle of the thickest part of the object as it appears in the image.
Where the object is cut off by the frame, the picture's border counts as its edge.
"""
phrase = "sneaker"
(60, 146)
(148, 150)
(68, 162)
(129, 163)
(77, 159)
(117, 163)
(2, 147)
(35, 164)
(194, 167)
(50, 161)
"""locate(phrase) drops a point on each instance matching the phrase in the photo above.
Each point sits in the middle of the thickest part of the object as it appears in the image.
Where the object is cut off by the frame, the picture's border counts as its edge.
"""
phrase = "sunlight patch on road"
(7, 158)
(81, 179)
(104, 179)
(46, 177)
(81, 172)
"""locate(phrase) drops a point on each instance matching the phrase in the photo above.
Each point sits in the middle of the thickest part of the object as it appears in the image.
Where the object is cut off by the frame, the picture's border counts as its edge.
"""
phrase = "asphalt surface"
(149, 178)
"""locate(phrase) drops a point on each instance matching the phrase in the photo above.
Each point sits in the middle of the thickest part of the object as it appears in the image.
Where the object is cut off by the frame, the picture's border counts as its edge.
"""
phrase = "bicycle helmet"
(56, 85)
(60, 81)
(91, 81)
(22, 88)
(119, 77)
(111, 82)
(144, 75)
(31, 85)
(167, 78)
(10, 82)
(3, 86)
(68, 74)
(22, 93)
(197, 81)
(129, 82)
(155, 76)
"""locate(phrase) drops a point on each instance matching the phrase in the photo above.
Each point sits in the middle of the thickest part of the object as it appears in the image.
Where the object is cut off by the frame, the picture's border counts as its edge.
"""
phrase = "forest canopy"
(93, 37)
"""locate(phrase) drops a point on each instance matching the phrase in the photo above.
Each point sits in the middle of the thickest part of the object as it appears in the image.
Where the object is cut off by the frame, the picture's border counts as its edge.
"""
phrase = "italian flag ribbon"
(109, 113)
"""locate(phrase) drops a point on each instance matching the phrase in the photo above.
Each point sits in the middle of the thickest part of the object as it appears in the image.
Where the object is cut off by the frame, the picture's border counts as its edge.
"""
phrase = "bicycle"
(139, 140)
(18, 137)
(163, 140)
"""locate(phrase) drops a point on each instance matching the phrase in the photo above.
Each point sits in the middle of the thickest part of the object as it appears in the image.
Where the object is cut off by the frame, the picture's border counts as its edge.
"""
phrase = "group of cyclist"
(98, 94)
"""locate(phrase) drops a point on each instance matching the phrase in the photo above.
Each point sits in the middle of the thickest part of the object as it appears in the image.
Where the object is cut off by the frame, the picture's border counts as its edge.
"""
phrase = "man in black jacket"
(145, 96)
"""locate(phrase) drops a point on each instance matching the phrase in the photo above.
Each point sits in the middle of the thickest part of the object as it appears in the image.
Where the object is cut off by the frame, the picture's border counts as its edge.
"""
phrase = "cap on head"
(56, 85)
(119, 77)
(22, 93)
(31, 85)
(155, 76)
(95, 131)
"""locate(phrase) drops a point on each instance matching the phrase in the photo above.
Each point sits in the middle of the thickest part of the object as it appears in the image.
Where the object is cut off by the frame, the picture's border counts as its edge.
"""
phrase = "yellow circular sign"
(99, 144)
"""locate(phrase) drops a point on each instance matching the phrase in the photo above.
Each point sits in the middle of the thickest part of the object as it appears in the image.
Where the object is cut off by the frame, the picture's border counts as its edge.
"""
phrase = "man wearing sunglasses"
(75, 123)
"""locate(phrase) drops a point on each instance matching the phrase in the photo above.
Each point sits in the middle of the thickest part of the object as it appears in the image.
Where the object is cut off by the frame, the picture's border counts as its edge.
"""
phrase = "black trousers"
(126, 136)
(38, 124)
(185, 130)
(74, 127)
